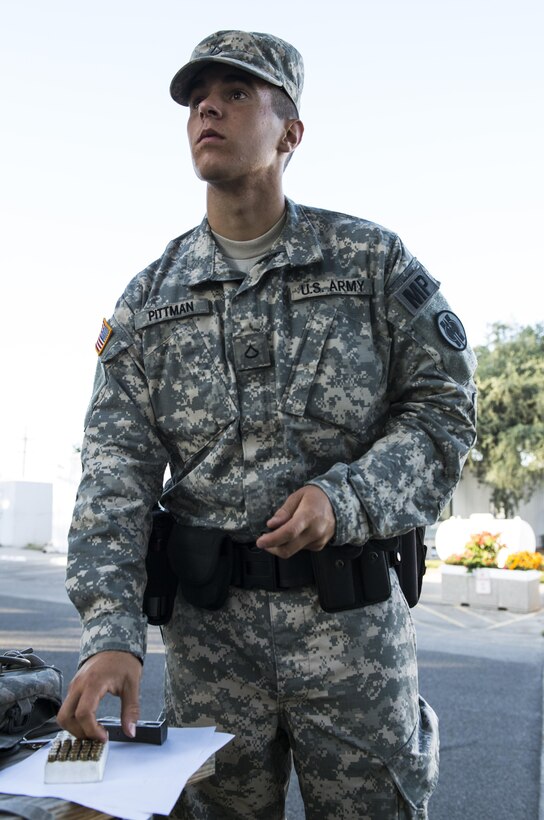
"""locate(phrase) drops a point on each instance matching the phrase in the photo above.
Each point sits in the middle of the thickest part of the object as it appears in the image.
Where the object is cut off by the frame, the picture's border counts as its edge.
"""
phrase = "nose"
(208, 107)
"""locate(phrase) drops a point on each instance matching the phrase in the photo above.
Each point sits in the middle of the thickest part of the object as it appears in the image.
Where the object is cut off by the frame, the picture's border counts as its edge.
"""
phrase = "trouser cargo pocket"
(414, 768)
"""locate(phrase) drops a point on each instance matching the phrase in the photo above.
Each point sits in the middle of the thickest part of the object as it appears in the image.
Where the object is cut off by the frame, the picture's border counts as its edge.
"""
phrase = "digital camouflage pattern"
(30, 694)
(265, 56)
(335, 361)
(340, 690)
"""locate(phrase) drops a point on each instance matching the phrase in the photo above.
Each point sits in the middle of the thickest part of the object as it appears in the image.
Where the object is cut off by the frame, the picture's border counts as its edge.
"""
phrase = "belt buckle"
(269, 580)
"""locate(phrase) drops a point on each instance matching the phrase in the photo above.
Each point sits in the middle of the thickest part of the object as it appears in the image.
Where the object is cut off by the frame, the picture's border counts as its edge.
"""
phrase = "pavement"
(485, 671)
(480, 669)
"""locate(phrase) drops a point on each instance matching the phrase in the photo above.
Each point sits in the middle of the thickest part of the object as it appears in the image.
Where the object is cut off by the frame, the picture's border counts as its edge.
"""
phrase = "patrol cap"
(263, 55)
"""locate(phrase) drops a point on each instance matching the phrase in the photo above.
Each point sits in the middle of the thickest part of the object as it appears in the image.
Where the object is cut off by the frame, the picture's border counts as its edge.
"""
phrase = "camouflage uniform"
(336, 362)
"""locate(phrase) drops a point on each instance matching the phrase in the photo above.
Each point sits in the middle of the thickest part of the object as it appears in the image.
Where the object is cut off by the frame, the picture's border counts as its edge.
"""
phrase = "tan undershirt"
(243, 255)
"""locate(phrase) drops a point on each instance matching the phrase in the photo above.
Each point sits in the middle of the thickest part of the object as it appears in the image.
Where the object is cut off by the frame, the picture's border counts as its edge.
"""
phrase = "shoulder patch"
(416, 290)
(451, 329)
(104, 336)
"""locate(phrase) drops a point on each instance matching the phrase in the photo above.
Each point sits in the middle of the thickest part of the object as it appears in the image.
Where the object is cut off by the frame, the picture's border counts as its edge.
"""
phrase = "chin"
(209, 172)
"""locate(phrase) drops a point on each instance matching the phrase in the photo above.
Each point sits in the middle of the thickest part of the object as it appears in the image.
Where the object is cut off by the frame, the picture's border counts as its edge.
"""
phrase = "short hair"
(282, 104)
(283, 107)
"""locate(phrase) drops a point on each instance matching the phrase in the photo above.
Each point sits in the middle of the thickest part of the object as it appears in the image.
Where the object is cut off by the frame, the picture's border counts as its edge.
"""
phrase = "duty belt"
(202, 564)
(254, 568)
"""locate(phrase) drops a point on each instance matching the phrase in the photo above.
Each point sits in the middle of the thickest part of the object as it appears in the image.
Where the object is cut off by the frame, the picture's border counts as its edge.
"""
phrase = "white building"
(26, 513)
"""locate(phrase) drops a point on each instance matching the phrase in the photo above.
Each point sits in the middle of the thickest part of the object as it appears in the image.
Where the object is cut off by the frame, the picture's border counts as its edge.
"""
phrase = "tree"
(509, 452)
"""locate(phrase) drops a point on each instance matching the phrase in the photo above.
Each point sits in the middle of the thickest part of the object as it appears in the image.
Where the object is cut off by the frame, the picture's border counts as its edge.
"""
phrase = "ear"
(292, 136)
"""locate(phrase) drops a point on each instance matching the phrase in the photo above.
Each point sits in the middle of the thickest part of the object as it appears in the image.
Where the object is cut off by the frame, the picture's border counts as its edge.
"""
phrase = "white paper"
(483, 582)
(140, 779)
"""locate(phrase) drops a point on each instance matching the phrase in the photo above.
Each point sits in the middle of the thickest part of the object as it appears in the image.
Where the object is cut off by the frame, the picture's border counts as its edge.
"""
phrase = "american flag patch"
(103, 337)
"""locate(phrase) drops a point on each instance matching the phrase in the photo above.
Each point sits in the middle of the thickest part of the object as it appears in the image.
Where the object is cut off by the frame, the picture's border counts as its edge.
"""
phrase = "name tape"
(360, 286)
(165, 313)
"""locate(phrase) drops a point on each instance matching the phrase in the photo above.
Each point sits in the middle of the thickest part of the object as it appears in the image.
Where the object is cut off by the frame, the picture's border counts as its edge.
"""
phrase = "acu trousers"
(335, 694)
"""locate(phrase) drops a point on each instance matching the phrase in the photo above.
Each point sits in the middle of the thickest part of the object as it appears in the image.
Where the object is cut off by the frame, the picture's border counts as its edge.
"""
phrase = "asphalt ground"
(480, 669)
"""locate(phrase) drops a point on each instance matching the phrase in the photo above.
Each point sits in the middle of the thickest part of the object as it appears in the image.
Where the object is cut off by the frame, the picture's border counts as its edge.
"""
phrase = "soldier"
(311, 391)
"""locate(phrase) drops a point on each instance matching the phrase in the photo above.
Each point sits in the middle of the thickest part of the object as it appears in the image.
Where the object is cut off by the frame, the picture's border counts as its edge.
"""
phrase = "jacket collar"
(296, 246)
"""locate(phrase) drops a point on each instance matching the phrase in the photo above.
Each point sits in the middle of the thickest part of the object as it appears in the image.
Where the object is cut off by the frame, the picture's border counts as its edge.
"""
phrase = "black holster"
(409, 563)
(160, 591)
(202, 561)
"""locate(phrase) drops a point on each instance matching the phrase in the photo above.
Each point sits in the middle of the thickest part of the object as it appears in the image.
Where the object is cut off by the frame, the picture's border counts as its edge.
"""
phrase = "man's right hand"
(119, 674)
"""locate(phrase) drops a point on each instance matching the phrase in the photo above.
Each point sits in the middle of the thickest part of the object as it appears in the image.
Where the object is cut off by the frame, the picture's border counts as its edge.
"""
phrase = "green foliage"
(509, 454)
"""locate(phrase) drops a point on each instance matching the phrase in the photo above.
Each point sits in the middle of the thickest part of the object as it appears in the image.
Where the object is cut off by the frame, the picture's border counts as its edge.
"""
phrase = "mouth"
(209, 135)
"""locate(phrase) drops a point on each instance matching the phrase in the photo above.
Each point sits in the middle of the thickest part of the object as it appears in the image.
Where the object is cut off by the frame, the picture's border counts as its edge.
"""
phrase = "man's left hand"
(305, 521)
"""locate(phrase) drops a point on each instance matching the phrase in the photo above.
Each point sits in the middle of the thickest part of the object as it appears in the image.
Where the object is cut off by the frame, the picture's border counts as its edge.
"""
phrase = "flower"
(524, 560)
(484, 549)
(480, 551)
(486, 541)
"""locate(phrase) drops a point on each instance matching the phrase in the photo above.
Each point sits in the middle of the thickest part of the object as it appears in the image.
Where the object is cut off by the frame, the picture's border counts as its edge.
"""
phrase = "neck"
(243, 215)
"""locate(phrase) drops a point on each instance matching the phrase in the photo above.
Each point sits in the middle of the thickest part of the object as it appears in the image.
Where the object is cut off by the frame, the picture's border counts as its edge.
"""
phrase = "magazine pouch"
(349, 577)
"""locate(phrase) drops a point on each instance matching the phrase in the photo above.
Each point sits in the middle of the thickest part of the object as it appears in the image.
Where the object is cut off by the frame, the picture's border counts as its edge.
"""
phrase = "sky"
(422, 115)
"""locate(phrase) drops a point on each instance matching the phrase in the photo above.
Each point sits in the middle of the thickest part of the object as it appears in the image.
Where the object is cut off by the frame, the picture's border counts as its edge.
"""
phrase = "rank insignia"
(103, 337)
(451, 329)
(251, 350)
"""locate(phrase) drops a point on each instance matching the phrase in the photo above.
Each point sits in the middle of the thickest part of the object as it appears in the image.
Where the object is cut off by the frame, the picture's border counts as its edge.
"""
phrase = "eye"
(238, 94)
(195, 101)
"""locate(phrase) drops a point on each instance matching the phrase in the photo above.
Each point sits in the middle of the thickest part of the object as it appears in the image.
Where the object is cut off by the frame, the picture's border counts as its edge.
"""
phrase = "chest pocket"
(340, 374)
(189, 394)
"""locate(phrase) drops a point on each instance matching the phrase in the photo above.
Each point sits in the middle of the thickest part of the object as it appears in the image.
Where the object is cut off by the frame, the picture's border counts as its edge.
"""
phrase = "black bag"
(30, 695)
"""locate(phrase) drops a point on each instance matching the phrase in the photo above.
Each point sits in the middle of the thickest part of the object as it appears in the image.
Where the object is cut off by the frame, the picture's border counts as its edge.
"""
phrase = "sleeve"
(409, 474)
(123, 464)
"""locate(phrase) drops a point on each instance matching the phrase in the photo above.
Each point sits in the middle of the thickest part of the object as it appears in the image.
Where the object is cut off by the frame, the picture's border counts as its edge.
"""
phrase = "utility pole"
(25, 440)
